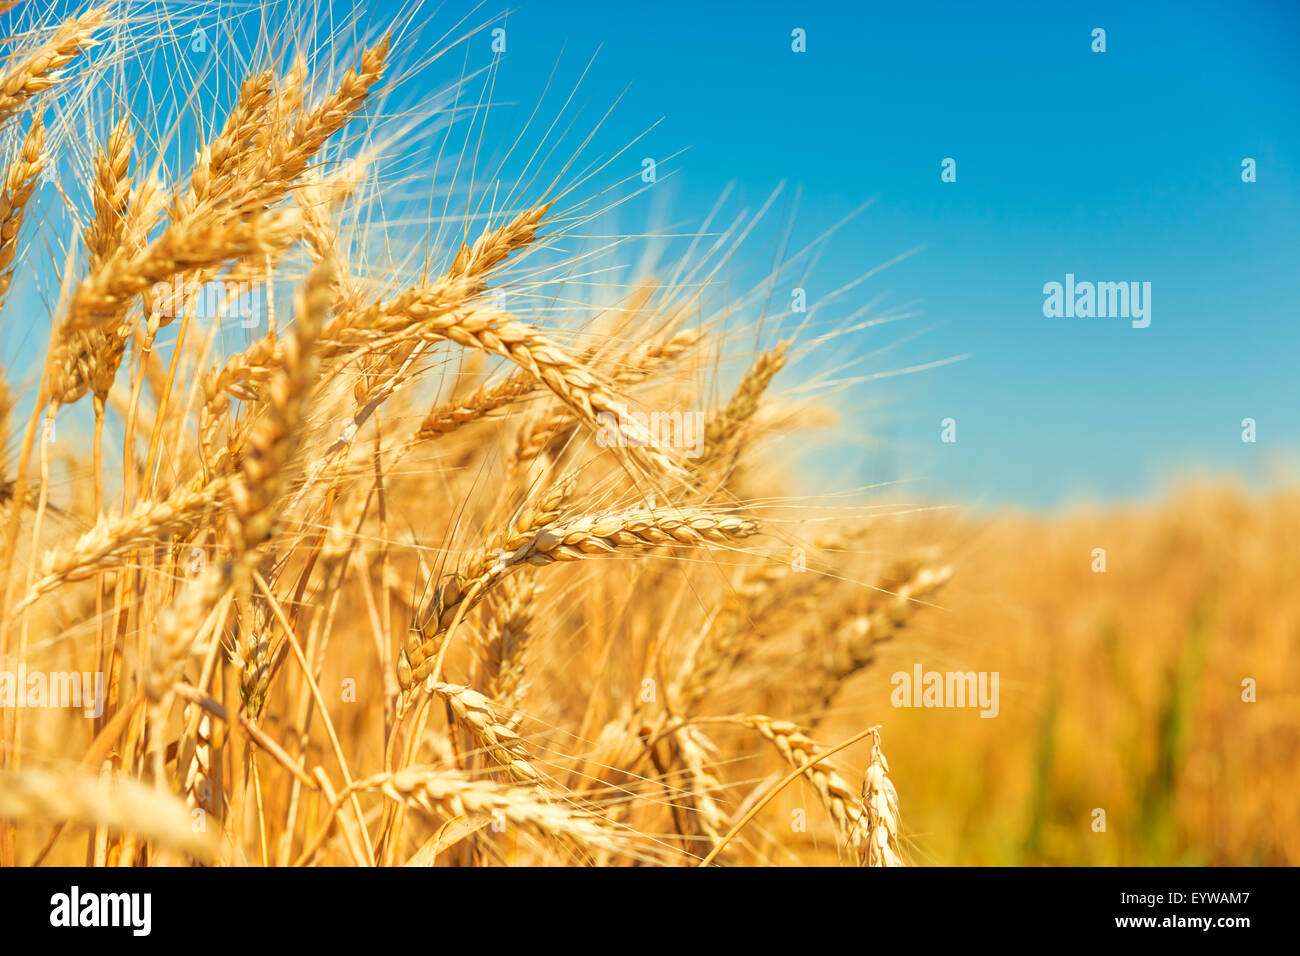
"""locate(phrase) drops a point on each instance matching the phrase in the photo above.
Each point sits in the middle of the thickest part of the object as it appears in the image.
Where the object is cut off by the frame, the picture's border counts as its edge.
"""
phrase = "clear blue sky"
(1123, 165)
(1115, 166)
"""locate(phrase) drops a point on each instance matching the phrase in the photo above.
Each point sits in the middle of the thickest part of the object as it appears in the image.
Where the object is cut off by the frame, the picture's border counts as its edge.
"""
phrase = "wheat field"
(458, 551)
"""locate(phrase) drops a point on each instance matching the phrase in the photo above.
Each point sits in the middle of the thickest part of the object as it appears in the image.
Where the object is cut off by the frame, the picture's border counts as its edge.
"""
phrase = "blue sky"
(1115, 166)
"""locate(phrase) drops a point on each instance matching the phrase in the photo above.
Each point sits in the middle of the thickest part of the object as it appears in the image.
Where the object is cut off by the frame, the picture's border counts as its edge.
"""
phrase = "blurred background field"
(1119, 690)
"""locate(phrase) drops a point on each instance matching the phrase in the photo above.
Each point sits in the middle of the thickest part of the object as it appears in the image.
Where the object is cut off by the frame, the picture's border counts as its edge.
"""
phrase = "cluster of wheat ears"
(320, 590)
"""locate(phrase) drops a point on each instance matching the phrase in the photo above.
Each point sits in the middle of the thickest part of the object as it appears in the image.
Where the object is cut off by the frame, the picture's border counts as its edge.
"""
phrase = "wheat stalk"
(111, 195)
(855, 643)
(489, 728)
(554, 427)
(723, 431)
(452, 795)
(102, 297)
(89, 360)
(702, 785)
(272, 441)
(77, 797)
(555, 542)
(835, 792)
(19, 184)
(115, 536)
(446, 418)
(39, 70)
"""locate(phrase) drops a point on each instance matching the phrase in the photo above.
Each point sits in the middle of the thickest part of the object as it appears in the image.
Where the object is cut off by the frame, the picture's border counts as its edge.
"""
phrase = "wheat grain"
(504, 656)
(880, 800)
